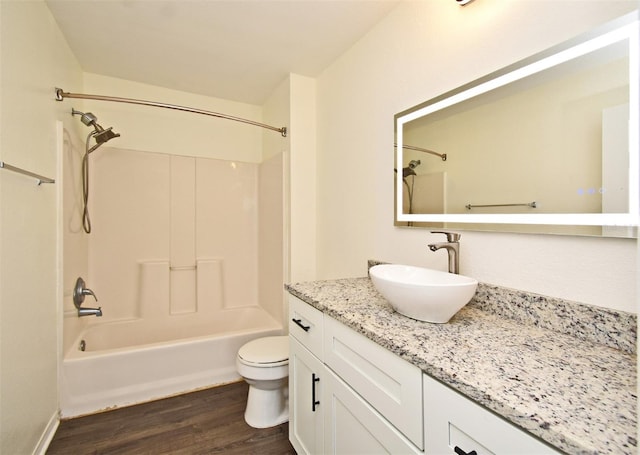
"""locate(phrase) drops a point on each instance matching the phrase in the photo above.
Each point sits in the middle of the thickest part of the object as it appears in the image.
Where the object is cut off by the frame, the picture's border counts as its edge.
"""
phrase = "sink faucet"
(452, 246)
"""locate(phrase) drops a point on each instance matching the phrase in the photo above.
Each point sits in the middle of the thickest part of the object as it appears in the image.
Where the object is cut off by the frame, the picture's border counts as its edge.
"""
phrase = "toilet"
(264, 364)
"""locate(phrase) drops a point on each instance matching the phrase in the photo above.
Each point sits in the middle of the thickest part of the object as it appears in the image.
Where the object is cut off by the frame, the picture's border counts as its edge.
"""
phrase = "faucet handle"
(79, 292)
(451, 236)
(87, 291)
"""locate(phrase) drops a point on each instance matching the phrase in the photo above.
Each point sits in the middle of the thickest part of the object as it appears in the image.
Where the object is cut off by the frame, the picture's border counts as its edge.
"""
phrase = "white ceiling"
(234, 49)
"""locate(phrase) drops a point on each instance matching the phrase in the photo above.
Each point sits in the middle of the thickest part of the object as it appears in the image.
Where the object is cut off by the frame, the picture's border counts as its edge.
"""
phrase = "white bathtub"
(133, 361)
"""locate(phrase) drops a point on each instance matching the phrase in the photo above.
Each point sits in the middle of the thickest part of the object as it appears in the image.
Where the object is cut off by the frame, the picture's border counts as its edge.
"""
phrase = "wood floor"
(205, 422)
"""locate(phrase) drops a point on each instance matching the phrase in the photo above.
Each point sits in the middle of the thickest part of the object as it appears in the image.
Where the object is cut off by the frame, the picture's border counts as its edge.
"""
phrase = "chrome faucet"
(452, 246)
(90, 312)
(79, 292)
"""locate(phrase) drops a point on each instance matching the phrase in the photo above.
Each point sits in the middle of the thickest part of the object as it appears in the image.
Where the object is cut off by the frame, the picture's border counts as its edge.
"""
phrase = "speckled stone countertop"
(577, 394)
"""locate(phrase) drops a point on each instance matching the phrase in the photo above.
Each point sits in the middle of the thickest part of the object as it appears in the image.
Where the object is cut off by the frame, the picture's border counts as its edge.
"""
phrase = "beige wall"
(302, 178)
(420, 50)
(34, 59)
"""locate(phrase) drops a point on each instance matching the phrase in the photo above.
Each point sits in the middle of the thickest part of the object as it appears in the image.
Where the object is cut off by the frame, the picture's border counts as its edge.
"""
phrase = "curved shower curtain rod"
(443, 156)
(61, 95)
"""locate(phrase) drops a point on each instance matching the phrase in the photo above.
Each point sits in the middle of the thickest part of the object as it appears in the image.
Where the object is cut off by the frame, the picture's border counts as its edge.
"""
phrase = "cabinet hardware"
(314, 402)
(459, 451)
(301, 325)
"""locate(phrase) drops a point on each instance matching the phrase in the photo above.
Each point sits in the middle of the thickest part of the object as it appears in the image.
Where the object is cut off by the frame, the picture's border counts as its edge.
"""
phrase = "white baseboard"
(47, 435)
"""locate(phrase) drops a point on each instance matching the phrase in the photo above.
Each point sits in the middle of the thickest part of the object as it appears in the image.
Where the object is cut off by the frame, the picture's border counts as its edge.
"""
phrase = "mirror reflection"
(554, 142)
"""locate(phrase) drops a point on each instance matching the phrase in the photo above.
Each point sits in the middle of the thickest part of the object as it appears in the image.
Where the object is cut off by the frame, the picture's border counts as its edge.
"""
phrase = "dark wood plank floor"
(209, 421)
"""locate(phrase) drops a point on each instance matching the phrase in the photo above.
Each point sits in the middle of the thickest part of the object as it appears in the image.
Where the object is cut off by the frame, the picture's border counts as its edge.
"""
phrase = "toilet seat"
(265, 352)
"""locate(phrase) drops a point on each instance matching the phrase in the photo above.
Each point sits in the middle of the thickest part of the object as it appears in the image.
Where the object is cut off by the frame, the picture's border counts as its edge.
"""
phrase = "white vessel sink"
(423, 294)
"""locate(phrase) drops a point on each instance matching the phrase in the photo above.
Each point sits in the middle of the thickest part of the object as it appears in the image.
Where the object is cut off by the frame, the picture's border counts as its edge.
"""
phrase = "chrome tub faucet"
(79, 292)
(452, 245)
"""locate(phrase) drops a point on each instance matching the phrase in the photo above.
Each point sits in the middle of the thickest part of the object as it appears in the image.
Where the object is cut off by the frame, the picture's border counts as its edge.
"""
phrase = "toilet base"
(267, 407)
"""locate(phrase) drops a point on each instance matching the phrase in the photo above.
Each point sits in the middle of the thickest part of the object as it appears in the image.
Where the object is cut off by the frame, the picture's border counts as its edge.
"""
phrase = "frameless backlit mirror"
(549, 144)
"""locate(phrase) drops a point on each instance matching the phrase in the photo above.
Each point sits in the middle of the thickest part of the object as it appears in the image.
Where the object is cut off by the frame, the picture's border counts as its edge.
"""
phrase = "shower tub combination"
(129, 362)
(171, 324)
(185, 282)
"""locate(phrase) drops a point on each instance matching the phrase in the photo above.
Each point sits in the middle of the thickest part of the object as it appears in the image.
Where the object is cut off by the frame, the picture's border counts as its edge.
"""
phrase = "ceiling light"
(463, 2)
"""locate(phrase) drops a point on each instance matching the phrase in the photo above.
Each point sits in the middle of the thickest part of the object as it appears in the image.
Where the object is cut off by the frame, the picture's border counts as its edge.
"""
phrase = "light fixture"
(463, 2)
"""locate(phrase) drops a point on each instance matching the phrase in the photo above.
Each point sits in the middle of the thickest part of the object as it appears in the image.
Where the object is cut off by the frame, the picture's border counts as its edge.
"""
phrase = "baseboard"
(47, 435)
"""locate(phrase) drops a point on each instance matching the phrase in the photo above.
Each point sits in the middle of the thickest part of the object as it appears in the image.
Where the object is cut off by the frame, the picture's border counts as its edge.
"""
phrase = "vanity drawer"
(305, 324)
(388, 383)
(453, 421)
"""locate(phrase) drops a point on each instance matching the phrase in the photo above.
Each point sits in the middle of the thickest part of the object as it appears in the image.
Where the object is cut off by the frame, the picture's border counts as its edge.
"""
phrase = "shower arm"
(443, 156)
(61, 95)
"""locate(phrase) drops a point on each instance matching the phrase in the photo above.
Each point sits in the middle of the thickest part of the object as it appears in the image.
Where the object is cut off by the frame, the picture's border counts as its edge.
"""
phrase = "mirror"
(548, 145)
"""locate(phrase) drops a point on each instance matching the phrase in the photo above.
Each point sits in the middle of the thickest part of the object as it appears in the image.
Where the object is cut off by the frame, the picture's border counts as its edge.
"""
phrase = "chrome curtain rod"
(61, 95)
(41, 179)
(419, 149)
(533, 205)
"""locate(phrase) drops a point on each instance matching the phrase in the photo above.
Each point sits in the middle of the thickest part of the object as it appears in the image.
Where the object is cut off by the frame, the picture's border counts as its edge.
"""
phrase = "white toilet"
(264, 364)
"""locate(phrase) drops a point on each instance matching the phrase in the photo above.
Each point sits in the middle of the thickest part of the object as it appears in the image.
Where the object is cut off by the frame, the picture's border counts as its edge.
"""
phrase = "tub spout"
(90, 312)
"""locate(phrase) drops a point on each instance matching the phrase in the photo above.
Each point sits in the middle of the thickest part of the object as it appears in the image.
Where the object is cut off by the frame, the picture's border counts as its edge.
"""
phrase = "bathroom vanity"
(365, 379)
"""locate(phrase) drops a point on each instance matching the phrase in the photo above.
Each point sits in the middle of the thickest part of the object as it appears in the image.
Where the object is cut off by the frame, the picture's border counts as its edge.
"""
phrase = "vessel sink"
(421, 293)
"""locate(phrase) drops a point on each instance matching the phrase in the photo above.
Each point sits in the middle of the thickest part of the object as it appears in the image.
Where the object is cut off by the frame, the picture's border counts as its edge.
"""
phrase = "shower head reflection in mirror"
(100, 135)
(534, 162)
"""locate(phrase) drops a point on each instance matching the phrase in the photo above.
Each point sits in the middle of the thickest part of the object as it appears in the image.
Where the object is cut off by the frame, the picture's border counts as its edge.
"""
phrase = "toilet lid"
(268, 350)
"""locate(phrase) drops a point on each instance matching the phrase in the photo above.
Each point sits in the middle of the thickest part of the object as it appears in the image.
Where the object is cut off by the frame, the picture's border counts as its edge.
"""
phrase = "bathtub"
(133, 361)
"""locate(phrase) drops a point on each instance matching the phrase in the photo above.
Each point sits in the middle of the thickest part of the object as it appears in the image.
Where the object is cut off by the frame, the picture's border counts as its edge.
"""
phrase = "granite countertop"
(578, 395)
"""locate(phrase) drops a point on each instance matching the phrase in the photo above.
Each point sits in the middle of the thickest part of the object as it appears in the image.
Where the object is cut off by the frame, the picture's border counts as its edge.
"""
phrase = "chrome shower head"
(407, 171)
(100, 134)
(105, 135)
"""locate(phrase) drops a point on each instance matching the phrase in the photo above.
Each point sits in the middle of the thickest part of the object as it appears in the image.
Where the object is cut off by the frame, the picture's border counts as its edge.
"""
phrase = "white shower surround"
(175, 261)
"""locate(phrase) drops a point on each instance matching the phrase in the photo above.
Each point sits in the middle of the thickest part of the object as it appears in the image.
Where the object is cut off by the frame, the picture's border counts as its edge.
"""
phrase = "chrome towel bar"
(524, 204)
(41, 179)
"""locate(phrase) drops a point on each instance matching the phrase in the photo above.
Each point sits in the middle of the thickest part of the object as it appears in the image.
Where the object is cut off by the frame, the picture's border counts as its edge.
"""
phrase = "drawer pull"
(459, 451)
(314, 402)
(301, 325)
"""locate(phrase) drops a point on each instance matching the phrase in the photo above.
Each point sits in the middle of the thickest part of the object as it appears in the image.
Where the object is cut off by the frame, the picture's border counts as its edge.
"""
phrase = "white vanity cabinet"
(454, 424)
(367, 405)
(349, 395)
(306, 378)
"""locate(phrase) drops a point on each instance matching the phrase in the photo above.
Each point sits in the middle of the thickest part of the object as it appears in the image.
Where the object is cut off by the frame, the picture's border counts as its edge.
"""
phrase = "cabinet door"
(306, 376)
(388, 383)
(455, 424)
(353, 427)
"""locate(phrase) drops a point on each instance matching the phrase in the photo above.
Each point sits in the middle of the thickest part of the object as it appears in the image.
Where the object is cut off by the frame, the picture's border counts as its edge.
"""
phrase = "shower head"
(407, 171)
(104, 135)
(100, 134)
